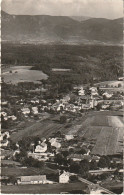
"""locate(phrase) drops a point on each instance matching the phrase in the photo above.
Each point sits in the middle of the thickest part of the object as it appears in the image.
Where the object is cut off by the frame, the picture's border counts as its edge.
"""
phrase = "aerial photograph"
(62, 97)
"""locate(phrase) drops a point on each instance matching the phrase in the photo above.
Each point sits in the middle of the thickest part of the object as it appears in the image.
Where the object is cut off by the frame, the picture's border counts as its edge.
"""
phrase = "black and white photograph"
(62, 97)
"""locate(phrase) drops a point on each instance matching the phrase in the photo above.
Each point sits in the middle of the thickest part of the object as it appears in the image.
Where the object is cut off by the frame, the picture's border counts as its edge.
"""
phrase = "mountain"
(62, 29)
(80, 18)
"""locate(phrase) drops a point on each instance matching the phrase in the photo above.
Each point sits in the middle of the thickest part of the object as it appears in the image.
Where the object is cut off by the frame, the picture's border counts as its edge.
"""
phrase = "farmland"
(19, 171)
(43, 188)
(107, 133)
(104, 128)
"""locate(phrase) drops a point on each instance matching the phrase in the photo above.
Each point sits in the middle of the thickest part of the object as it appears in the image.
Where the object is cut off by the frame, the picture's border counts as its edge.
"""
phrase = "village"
(70, 155)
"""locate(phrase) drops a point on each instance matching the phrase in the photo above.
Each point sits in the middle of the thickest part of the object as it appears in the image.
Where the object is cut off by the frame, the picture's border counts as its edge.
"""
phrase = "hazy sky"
(94, 8)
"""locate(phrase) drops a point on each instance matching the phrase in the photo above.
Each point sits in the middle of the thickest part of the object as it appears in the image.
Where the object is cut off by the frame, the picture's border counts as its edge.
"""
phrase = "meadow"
(16, 74)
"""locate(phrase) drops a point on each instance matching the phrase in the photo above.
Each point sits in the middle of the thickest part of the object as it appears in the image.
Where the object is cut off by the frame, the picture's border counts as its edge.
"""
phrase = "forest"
(88, 63)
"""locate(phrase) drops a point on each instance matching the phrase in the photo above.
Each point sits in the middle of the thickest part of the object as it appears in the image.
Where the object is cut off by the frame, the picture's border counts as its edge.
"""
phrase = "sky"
(93, 8)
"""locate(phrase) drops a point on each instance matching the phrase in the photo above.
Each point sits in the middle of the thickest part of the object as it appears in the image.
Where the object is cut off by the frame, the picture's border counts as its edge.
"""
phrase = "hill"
(46, 29)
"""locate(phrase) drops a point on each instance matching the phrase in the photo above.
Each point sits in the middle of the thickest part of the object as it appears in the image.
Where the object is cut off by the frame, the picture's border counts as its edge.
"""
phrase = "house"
(4, 103)
(35, 179)
(25, 111)
(69, 137)
(121, 78)
(42, 147)
(12, 117)
(81, 91)
(55, 143)
(64, 177)
(35, 110)
(94, 90)
(107, 94)
(4, 143)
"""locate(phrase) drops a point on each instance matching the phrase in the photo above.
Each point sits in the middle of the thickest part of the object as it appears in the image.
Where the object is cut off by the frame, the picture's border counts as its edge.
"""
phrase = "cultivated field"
(106, 131)
(43, 188)
(19, 171)
(104, 128)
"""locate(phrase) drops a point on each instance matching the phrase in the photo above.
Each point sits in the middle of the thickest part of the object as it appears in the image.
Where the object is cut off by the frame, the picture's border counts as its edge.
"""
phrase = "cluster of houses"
(4, 139)
(81, 98)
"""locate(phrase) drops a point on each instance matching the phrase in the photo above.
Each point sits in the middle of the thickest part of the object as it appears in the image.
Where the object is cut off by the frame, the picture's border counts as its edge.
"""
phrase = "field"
(19, 171)
(15, 74)
(43, 188)
(104, 128)
(45, 128)
(106, 131)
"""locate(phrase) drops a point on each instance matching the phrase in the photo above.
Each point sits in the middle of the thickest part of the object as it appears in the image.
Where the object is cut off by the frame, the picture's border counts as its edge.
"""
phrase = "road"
(92, 184)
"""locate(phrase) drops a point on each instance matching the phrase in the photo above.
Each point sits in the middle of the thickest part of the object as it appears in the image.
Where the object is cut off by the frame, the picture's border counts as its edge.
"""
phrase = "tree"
(82, 151)
(12, 179)
(58, 159)
(119, 85)
(93, 165)
(104, 162)
(63, 119)
(73, 178)
(84, 167)
(74, 167)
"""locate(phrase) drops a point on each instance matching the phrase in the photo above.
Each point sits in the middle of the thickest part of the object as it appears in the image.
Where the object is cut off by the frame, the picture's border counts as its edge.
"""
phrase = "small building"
(41, 148)
(69, 137)
(35, 110)
(55, 143)
(64, 177)
(35, 179)
(81, 91)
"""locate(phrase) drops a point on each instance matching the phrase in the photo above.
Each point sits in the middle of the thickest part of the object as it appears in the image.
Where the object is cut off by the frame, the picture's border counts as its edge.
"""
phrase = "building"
(69, 137)
(55, 143)
(81, 91)
(41, 148)
(35, 179)
(64, 177)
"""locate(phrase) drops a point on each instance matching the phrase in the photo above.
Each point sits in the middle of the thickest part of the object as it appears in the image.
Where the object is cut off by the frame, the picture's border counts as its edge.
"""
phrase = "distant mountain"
(62, 29)
(80, 18)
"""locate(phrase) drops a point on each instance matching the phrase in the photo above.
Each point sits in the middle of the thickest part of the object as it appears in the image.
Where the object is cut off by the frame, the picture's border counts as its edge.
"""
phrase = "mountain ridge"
(46, 28)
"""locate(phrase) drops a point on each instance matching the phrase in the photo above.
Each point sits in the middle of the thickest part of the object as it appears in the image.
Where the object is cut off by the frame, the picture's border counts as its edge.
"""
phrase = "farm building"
(35, 179)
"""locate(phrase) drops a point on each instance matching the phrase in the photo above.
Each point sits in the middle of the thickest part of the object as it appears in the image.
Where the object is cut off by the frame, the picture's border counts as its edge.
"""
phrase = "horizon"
(89, 17)
(110, 9)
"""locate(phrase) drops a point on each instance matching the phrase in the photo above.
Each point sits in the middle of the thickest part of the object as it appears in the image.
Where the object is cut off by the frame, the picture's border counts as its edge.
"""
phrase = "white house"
(108, 95)
(64, 177)
(35, 110)
(55, 143)
(12, 117)
(4, 143)
(94, 90)
(25, 111)
(69, 137)
(41, 148)
(81, 91)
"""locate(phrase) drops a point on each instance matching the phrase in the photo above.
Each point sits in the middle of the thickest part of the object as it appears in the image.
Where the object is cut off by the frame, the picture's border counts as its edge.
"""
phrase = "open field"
(43, 188)
(106, 131)
(15, 74)
(19, 171)
(104, 128)
(44, 128)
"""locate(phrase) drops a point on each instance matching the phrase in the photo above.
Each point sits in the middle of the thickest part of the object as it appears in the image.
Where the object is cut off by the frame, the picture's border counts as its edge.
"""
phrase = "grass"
(21, 74)
(18, 171)
(43, 188)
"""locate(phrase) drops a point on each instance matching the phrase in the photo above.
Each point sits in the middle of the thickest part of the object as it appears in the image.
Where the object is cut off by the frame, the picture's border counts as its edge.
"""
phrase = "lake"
(16, 74)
